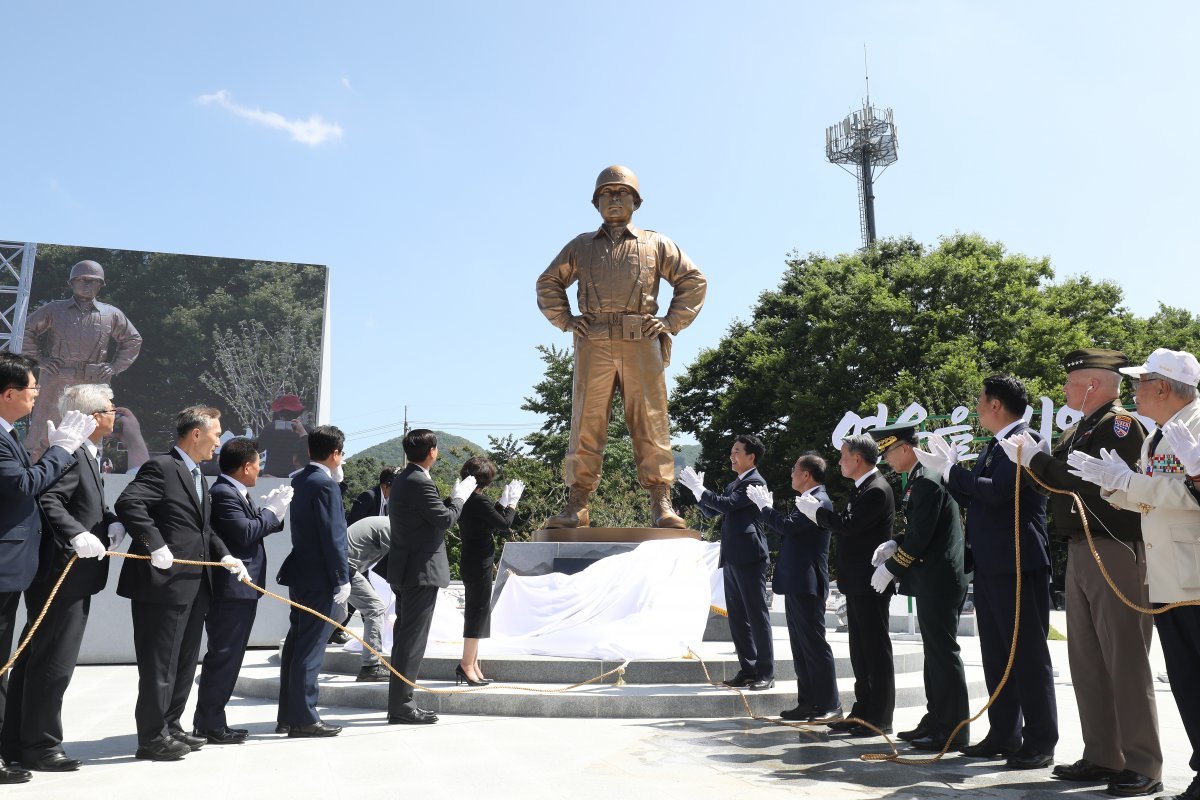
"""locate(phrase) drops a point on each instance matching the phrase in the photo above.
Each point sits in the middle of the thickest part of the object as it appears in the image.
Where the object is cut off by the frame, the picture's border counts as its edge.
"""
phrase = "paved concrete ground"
(541, 758)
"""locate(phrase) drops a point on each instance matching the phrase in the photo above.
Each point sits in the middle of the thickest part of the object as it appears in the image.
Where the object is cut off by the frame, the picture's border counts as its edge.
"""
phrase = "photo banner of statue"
(167, 331)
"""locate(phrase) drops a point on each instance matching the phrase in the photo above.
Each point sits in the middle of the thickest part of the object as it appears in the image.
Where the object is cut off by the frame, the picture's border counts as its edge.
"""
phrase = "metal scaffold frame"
(16, 276)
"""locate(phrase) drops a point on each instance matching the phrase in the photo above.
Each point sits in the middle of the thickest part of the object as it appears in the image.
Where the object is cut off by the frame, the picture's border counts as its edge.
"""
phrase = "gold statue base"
(612, 534)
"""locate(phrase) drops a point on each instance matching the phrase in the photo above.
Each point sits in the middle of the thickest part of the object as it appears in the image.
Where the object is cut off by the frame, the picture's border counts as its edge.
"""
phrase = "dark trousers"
(228, 626)
(1179, 635)
(166, 641)
(945, 679)
(33, 722)
(477, 606)
(410, 634)
(867, 616)
(300, 660)
(1025, 714)
(816, 677)
(749, 618)
(8, 621)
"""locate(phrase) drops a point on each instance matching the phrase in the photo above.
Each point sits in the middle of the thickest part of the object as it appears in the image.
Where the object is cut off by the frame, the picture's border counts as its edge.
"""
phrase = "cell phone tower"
(866, 139)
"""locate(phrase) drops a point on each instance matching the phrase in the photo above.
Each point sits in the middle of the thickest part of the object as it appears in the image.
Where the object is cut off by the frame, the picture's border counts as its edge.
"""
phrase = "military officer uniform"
(929, 565)
(1108, 643)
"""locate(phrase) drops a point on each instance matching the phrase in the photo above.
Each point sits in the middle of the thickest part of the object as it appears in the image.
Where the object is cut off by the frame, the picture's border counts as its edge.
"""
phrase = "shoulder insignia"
(1122, 425)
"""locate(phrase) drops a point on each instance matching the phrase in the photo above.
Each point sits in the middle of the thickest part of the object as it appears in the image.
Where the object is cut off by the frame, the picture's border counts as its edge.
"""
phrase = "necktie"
(16, 438)
(199, 482)
(250, 503)
(1154, 440)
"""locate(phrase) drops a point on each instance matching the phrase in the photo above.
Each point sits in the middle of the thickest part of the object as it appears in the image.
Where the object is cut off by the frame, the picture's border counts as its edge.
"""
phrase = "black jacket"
(743, 539)
(21, 483)
(242, 528)
(478, 525)
(420, 519)
(864, 524)
(803, 565)
(75, 503)
(929, 561)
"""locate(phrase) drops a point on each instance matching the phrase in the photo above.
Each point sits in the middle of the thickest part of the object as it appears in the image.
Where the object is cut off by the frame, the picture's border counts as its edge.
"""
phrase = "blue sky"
(436, 156)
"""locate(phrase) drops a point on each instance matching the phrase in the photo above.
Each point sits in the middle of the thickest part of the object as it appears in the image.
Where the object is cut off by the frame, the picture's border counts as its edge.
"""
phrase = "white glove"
(162, 558)
(1184, 445)
(70, 433)
(808, 506)
(512, 494)
(338, 474)
(884, 552)
(693, 480)
(760, 496)
(343, 593)
(116, 534)
(462, 490)
(1108, 472)
(236, 566)
(278, 499)
(1028, 444)
(940, 456)
(87, 545)
(881, 579)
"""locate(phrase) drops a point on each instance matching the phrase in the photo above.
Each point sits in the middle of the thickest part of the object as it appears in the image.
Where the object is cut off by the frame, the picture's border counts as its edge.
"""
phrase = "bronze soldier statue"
(619, 342)
(71, 340)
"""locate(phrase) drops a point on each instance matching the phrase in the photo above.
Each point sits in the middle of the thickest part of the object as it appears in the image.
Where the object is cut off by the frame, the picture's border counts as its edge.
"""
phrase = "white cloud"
(312, 131)
(346, 83)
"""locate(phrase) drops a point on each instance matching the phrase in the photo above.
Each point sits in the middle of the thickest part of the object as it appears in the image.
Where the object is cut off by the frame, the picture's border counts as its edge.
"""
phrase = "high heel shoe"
(461, 677)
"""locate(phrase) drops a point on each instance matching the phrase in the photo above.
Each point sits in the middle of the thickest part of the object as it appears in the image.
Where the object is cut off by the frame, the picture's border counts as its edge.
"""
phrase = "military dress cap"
(1095, 358)
(889, 436)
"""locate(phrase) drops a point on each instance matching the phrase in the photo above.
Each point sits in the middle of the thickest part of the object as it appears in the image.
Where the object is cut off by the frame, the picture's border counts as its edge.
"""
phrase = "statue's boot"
(575, 513)
(661, 512)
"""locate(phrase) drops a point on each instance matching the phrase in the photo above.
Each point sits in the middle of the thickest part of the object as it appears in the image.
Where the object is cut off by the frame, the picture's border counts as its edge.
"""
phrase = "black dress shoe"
(163, 750)
(282, 727)
(915, 733)
(1131, 784)
(830, 716)
(1029, 759)
(418, 716)
(935, 741)
(1190, 793)
(863, 732)
(14, 774)
(842, 725)
(1085, 771)
(738, 681)
(988, 750)
(54, 762)
(338, 636)
(762, 684)
(225, 736)
(317, 730)
(238, 731)
(193, 742)
(800, 713)
(376, 673)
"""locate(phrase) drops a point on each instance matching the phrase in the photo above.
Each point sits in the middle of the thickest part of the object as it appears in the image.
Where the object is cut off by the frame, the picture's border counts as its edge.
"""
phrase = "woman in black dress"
(480, 521)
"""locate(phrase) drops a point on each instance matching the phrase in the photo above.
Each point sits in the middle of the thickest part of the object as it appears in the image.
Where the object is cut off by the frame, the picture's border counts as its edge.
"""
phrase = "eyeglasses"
(106, 411)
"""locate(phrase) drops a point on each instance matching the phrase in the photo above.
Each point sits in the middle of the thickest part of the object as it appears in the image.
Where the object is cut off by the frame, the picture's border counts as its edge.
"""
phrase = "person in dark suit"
(242, 527)
(927, 559)
(165, 509)
(317, 574)
(864, 524)
(417, 565)
(373, 502)
(1024, 718)
(744, 562)
(802, 577)
(75, 521)
(481, 520)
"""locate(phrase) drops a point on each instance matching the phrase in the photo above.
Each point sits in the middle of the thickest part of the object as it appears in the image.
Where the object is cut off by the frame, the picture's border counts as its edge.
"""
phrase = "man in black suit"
(373, 502)
(744, 562)
(165, 509)
(863, 525)
(802, 577)
(242, 527)
(987, 493)
(417, 565)
(76, 521)
(927, 559)
(317, 575)
(21, 484)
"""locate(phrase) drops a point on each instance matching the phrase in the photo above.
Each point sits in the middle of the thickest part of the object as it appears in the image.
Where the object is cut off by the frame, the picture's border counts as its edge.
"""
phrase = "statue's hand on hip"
(653, 326)
(579, 324)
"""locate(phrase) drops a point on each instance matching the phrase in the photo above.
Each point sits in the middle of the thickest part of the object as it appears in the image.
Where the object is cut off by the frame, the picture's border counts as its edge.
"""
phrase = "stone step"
(260, 678)
(719, 657)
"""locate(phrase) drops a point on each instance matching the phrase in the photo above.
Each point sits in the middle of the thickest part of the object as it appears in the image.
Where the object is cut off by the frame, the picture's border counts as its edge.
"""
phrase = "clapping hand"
(760, 496)
(462, 489)
(940, 456)
(278, 500)
(693, 480)
(1108, 472)
(71, 431)
(1028, 446)
(808, 505)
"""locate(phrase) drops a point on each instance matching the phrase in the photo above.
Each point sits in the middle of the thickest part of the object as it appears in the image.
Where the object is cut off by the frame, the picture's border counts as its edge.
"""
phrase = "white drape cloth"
(652, 602)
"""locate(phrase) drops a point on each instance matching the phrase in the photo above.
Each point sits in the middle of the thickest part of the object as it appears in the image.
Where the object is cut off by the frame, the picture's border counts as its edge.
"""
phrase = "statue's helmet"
(87, 269)
(620, 176)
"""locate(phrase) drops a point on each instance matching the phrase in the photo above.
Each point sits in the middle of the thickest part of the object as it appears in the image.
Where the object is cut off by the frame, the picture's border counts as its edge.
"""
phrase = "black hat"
(1095, 358)
(889, 436)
